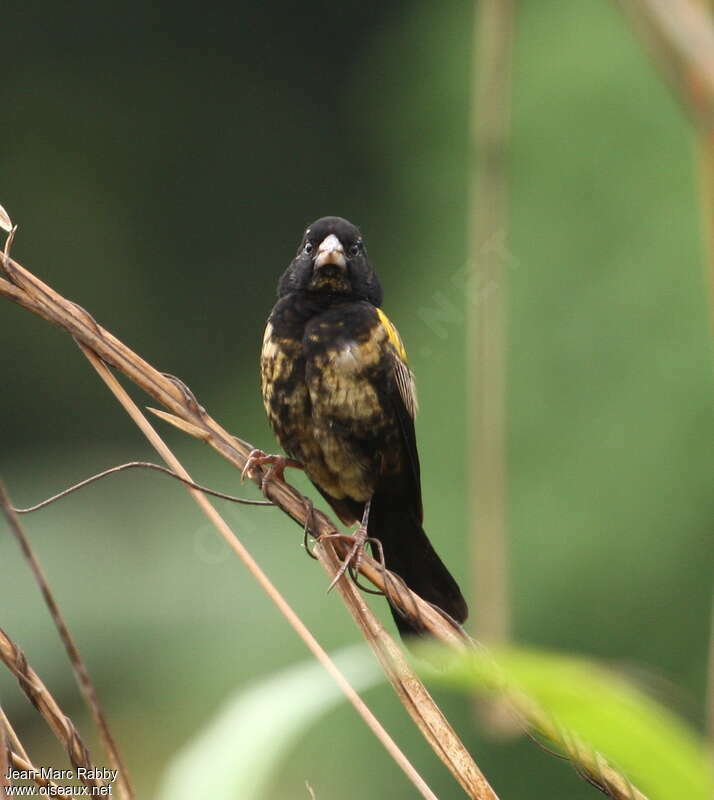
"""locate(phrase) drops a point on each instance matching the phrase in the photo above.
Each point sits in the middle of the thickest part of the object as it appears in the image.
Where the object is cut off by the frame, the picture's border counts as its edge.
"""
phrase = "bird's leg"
(277, 465)
(359, 539)
(309, 524)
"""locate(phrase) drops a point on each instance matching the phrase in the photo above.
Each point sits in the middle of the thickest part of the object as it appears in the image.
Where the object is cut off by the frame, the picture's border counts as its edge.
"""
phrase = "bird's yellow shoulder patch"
(392, 335)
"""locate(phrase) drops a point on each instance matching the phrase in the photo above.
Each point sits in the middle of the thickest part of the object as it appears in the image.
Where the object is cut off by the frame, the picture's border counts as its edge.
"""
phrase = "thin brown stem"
(138, 465)
(60, 724)
(18, 755)
(705, 165)
(81, 673)
(411, 691)
(680, 37)
(5, 762)
(13, 738)
(18, 762)
(31, 293)
(486, 335)
(255, 570)
(28, 291)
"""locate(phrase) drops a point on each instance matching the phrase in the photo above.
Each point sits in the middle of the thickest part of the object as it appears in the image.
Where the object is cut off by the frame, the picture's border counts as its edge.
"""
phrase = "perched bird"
(340, 398)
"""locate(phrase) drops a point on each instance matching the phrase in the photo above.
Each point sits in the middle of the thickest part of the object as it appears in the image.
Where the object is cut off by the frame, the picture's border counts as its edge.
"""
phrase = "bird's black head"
(332, 260)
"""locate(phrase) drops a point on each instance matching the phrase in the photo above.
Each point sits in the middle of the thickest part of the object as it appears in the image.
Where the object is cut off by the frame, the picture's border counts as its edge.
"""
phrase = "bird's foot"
(359, 540)
(277, 466)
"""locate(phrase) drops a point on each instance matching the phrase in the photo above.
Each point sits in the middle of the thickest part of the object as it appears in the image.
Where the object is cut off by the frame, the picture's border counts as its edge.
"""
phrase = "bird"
(340, 397)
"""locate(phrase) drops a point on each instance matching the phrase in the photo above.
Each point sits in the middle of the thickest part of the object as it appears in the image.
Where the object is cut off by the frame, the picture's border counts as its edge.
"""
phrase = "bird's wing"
(404, 401)
(403, 376)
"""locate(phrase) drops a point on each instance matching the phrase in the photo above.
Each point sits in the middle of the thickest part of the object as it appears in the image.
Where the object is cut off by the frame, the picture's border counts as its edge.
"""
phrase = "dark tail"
(408, 553)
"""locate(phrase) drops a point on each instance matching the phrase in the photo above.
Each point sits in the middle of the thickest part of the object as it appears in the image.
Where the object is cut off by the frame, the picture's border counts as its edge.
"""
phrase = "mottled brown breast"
(349, 376)
(329, 396)
(285, 396)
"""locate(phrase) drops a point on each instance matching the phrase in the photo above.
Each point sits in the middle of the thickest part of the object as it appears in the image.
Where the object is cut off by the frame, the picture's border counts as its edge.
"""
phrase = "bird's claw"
(277, 465)
(353, 559)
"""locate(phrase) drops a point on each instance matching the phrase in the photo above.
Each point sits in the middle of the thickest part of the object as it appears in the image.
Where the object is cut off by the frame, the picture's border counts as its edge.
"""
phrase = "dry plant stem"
(140, 465)
(29, 292)
(705, 157)
(253, 567)
(486, 298)
(5, 762)
(192, 418)
(18, 754)
(680, 36)
(589, 764)
(79, 668)
(411, 691)
(23, 762)
(40, 697)
(14, 740)
(18, 762)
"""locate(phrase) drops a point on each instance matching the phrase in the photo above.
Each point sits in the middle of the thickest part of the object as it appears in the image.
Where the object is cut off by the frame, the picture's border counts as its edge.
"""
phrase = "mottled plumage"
(340, 397)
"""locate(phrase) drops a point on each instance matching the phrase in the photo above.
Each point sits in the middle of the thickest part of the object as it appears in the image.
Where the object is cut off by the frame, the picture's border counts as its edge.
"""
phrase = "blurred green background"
(162, 160)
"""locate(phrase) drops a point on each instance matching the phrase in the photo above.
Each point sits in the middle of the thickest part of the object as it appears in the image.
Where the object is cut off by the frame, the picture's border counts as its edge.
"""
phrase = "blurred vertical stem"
(680, 36)
(705, 153)
(486, 313)
(705, 156)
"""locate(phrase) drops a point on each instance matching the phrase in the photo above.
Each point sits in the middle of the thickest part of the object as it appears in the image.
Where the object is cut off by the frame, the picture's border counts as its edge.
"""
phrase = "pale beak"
(330, 251)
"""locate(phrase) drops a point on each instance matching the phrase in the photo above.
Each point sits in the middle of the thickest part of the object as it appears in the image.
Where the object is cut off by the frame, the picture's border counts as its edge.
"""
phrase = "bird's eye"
(354, 250)
(308, 247)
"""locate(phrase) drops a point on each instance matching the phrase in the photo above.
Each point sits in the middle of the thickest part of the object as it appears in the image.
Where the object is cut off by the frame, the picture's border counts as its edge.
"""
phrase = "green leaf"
(236, 755)
(562, 696)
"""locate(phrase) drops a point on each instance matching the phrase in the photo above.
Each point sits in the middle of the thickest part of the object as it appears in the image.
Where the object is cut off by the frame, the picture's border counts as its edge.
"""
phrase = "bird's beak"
(330, 251)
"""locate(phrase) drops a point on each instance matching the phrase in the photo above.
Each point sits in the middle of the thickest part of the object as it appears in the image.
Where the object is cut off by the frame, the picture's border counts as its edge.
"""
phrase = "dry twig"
(28, 291)
(18, 762)
(40, 697)
(79, 668)
(18, 755)
(486, 313)
(31, 293)
(253, 567)
(680, 36)
(140, 465)
(5, 762)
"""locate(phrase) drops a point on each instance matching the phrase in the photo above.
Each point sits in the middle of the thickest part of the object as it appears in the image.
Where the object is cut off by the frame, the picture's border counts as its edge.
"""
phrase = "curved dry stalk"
(38, 694)
(680, 36)
(139, 465)
(415, 698)
(34, 295)
(79, 668)
(255, 570)
(17, 754)
(13, 739)
(18, 762)
(29, 292)
(5, 762)
(486, 320)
